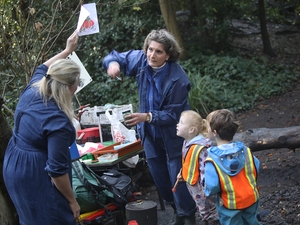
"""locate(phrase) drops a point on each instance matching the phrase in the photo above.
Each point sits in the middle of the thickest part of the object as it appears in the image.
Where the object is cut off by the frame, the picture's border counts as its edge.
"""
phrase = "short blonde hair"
(195, 120)
(60, 75)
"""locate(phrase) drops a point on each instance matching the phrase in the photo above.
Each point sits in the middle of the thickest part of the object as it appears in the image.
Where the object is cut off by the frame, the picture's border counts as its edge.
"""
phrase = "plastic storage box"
(89, 134)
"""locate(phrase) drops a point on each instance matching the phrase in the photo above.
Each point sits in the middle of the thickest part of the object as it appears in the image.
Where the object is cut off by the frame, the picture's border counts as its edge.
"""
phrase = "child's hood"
(229, 157)
(199, 140)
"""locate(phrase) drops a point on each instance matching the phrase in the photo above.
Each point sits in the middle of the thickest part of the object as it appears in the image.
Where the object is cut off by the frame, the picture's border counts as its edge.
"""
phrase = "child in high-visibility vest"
(231, 171)
(192, 128)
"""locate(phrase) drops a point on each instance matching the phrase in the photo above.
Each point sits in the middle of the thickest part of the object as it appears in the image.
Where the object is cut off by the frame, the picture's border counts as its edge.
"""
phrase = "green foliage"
(217, 81)
(273, 15)
(233, 82)
(28, 34)
(121, 29)
(123, 26)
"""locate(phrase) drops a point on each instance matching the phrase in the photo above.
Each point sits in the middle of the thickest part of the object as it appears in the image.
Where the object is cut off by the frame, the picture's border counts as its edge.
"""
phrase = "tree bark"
(263, 27)
(8, 215)
(169, 17)
(265, 138)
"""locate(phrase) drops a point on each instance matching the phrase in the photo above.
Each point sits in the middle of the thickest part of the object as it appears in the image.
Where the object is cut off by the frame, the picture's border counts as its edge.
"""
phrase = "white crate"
(89, 116)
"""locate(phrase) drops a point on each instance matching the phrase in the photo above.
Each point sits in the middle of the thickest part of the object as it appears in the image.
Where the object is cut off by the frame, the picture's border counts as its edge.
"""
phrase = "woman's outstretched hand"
(72, 42)
(71, 45)
(114, 70)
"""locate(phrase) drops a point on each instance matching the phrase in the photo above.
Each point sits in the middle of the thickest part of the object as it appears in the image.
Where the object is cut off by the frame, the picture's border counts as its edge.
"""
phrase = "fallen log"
(270, 138)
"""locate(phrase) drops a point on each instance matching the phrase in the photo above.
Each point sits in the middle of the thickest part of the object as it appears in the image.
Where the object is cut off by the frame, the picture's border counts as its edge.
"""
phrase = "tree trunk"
(265, 138)
(8, 215)
(263, 27)
(169, 17)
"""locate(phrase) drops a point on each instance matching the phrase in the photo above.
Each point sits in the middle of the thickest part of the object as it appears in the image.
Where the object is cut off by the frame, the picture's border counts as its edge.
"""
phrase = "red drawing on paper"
(88, 24)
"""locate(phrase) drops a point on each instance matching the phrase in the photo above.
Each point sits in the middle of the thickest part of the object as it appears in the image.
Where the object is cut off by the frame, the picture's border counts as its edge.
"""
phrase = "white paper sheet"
(85, 78)
(88, 20)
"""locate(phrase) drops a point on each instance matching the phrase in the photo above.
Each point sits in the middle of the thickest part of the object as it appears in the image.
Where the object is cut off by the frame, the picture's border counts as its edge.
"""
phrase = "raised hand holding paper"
(85, 78)
(88, 20)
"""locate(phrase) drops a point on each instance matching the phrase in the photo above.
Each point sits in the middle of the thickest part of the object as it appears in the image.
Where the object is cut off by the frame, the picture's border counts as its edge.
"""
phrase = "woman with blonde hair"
(37, 167)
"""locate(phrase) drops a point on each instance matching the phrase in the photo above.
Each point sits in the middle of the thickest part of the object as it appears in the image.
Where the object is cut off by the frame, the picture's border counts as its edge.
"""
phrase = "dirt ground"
(284, 39)
(279, 177)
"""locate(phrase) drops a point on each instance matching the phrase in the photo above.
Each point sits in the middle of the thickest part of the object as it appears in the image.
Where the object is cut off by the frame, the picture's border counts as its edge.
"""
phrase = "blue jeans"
(164, 172)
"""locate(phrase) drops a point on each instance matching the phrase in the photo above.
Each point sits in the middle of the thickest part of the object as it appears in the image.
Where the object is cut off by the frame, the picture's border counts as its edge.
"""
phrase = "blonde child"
(193, 129)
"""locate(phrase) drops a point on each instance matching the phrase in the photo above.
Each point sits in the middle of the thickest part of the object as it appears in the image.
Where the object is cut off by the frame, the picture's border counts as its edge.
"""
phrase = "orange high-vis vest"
(239, 191)
(190, 164)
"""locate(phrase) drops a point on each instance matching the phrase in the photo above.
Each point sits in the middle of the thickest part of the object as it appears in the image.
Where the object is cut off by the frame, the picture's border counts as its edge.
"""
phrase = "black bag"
(119, 184)
(96, 191)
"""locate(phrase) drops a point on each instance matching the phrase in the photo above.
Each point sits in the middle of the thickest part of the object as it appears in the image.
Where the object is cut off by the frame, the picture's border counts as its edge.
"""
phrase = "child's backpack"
(93, 191)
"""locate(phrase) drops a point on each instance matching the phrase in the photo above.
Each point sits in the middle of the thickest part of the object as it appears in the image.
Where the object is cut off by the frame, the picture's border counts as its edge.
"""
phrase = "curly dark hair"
(167, 40)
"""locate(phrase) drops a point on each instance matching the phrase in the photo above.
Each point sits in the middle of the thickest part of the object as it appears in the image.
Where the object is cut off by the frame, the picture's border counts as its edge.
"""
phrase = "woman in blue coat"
(37, 167)
(163, 88)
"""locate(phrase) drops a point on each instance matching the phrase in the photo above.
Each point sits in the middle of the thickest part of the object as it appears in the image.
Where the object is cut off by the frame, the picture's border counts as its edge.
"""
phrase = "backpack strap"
(76, 165)
(110, 187)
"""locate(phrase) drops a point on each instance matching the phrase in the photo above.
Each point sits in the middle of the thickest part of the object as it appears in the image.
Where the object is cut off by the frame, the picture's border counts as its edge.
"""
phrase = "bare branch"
(56, 36)
(13, 68)
(6, 84)
(24, 45)
(116, 2)
(9, 110)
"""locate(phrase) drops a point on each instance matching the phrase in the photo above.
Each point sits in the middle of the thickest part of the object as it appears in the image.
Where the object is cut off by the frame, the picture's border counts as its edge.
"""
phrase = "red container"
(89, 134)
